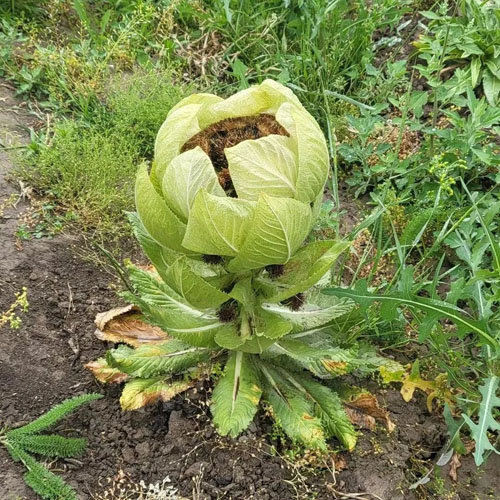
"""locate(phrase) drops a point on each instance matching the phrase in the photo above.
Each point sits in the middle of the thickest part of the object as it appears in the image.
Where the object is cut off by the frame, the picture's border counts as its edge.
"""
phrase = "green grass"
(90, 170)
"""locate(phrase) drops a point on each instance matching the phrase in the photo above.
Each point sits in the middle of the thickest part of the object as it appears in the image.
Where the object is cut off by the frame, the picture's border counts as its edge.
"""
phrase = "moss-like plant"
(24, 441)
(235, 188)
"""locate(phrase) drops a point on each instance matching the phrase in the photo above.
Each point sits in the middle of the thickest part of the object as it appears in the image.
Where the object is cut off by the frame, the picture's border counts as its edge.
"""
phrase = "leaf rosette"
(233, 192)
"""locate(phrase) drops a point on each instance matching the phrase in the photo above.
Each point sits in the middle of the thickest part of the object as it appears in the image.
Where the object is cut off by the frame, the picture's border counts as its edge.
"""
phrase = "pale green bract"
(278, 181)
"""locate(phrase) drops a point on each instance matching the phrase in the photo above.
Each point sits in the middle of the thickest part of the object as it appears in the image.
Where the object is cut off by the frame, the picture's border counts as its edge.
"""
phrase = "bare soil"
(41, 364)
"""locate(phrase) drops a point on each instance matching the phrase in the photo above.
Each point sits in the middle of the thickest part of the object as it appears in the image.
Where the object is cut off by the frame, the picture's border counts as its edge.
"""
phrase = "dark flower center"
(295, 302)
(228, 311)
(227, 133)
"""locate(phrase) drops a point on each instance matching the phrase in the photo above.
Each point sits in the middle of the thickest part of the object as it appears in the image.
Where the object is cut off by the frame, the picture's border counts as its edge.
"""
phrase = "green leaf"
(149, 360)
(278, 228)
(160, 222)
(329, 409)
(183, 122)
(323, 360)
(306, 268)
(52, 446)
(236, 396)
(475, 67)
(454, 428)
(264, 98)
(494, 66)
(44, 482)
(53, 415)
(311, 315)
(479, 431)
(256, 345)
(192, 287)
(159, 256)
(271, 326)
(228, 337)
(186, 174)
(267, 164)
(292, 410)
(205, 115)
(141, 392)
(491, 86)
(218, 226)
(168, 310)
(434, 309)
(311, 150)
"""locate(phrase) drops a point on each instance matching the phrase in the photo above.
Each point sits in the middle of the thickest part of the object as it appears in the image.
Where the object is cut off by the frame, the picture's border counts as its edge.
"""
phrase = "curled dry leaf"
(125, 324)
(455, 463)
(104, 373)
(141, 392)
(363, 410)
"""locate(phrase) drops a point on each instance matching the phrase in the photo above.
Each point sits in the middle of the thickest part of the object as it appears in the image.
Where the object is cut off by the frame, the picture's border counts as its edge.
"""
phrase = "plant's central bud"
(227, 133)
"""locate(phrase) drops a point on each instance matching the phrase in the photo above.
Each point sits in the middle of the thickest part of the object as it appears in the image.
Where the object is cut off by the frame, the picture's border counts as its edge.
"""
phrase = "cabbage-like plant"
(234, 190)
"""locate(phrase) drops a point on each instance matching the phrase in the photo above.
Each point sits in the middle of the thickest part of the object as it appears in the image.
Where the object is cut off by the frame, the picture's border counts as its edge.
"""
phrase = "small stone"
(195, 470)
(128, 455)
(142, 449)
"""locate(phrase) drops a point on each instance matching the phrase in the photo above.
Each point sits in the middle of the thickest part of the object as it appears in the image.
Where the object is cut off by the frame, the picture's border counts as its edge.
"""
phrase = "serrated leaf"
(278, 228)
(105, 373)
(293, 411)
(141, 392)
(267, 162)
(329, 408)
(186, 174)
(487, 422)
(229, 337)
(125, 324)
(44, 482)
(311, 315)
(271, 326)
(236, 396)
(306, 268)
(256, 345)
(172, 356)
(55, 414)
(167, 309)
(52, 446)
(192, 287)
(218, 226)
(321, 358)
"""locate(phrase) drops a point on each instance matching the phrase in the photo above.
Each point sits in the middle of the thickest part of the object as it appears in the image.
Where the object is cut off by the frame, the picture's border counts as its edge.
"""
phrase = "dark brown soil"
(41, 364)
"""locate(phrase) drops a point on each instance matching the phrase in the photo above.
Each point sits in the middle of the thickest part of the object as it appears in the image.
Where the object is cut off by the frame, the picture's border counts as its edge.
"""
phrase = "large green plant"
(234, 190)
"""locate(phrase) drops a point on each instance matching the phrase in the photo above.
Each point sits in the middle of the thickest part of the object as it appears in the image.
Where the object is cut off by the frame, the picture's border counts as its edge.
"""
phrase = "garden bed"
(41, 364)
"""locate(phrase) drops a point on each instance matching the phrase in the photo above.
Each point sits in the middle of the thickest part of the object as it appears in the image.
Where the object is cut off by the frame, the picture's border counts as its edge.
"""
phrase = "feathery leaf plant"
(26, 440)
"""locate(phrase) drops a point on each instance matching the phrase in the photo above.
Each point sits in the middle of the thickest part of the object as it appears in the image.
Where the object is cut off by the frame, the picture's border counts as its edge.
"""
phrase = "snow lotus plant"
(233, 192)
